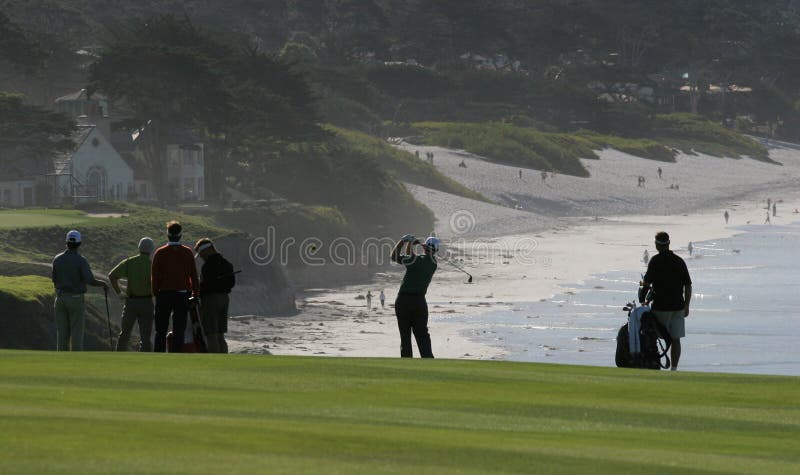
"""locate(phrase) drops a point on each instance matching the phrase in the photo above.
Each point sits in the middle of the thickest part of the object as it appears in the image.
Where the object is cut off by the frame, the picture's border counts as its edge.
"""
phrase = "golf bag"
(651, 349)
(194, 340)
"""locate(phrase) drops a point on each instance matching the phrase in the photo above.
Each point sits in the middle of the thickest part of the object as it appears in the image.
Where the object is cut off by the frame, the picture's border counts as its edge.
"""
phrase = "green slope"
(403, 165)
(10, 219)
(148, 413)
(39, 234)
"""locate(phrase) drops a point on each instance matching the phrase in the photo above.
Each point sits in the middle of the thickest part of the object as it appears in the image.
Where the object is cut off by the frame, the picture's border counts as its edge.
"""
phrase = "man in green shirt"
(411, 308)
(137, 297)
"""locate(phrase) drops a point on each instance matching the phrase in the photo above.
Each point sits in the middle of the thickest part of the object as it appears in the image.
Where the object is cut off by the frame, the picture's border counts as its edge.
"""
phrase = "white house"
(94, 171)
(111, 166)
(186, 171)
(185, 165)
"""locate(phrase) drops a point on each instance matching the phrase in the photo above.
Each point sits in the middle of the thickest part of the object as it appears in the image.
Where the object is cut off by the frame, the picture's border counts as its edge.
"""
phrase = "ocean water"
(744, 313)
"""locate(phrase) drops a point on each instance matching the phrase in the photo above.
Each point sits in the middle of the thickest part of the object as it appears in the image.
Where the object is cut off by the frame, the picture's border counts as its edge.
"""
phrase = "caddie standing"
(71, 274)
(216, 281)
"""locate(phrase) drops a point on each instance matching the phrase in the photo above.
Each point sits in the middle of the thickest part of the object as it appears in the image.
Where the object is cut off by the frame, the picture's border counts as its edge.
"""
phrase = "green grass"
(405, 166)
(105, 240)
(41, 217)
(688, 132)
(561, 152)
(146, 413)
(644, 148)
(28, 288)
(512, 145)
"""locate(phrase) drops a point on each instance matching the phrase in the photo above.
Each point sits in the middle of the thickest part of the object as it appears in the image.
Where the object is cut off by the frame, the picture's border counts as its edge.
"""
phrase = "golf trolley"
(642, 342)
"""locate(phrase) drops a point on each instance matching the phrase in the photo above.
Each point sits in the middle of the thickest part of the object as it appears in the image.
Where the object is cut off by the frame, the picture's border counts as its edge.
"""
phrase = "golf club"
(108, 320)
(469, 281)
(229, 274)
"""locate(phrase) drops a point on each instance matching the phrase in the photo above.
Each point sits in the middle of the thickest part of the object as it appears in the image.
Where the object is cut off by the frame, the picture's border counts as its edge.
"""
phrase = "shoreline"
(335, 322)
(565, 253)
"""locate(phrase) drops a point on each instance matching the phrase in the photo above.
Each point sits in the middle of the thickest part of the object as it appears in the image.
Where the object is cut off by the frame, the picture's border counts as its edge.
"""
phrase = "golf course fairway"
(102, 413)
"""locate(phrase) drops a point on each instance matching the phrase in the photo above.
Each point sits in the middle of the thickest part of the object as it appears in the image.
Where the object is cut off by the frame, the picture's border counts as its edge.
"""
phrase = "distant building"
(185, 167)
(15, 192)
(108, 165)
(94, 171)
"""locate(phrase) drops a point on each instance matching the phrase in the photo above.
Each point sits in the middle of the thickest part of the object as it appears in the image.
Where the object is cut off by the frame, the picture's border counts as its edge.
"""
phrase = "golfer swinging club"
(410, 307)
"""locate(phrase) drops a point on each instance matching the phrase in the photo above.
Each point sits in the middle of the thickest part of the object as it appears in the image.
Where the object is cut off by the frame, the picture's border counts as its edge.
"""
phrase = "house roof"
(122, 141)
(80, 96)
(62, 161)
(140, 170)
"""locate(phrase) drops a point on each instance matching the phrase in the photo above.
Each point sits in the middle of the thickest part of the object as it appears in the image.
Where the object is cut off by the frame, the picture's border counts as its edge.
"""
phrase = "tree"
(30, 136)
(163, 71)
(171, 75)
(18, 47)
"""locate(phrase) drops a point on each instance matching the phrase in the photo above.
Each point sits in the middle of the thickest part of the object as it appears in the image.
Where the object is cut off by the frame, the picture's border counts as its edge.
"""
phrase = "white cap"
(146, 245)
(433, 243)
(74, 236)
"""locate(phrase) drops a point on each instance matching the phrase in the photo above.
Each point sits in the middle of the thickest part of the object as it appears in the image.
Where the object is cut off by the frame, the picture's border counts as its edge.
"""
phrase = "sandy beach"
(546, 237)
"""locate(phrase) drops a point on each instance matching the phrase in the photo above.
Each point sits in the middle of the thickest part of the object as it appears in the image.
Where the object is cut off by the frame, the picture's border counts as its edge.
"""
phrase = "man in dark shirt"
(672, 286)
(216, 281)
(411, 308)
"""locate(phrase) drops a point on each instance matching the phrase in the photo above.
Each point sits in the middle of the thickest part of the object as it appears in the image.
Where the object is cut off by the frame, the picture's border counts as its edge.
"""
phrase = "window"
(7, 197)
(142, 191)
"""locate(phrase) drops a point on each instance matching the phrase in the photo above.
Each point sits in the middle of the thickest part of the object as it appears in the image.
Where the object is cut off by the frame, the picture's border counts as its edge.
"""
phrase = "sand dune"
(704, 183)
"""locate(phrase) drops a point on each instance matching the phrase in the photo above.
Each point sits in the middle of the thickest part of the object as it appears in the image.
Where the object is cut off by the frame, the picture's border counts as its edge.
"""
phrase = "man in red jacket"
(174, 279)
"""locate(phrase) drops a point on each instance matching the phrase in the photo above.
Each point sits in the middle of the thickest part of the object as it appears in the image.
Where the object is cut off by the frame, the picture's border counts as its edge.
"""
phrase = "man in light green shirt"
(137, 297)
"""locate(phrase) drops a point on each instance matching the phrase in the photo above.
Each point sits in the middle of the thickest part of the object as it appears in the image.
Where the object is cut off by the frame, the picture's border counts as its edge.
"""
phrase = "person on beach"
(769, 203)
(668, 275)
(659, 173)
(410, 307)
(646, 257)
(544, 177)
(173, 279)
(767, 221)
(71, 274)
(726, 215)
(775, 209)
(520, 173)
(137, 299)
(216, 281)
(369, 300)
(383, 300)
(690, 248)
